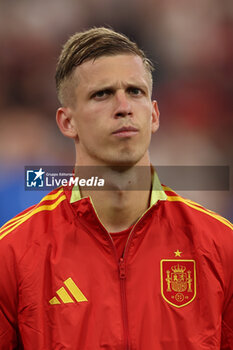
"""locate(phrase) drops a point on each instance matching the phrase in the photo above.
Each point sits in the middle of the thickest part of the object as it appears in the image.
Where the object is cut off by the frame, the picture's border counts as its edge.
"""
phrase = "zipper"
(122, 274)
(130, 234)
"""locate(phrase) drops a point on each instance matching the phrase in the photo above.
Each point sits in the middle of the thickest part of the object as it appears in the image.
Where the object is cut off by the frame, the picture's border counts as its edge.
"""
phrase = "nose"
(123, 105)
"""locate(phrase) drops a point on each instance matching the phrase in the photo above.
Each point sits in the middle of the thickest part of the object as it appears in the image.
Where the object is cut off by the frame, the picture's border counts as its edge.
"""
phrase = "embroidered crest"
(178, 281)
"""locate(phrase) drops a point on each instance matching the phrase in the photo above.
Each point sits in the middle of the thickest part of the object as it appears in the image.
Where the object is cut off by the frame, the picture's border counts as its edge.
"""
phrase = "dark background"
(190, 43)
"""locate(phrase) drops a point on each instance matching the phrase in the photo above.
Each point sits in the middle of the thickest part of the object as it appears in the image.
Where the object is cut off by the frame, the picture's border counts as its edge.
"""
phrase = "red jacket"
(63, 287)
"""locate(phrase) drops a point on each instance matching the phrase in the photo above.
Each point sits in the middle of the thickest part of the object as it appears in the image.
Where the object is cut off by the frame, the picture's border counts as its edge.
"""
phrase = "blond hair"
(88, 45)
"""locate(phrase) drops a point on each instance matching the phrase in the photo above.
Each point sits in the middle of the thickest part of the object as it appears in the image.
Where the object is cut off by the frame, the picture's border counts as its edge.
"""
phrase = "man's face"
(113, 116)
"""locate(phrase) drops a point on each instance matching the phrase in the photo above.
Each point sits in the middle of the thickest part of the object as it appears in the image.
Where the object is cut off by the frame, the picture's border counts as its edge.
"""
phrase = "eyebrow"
(113, 87)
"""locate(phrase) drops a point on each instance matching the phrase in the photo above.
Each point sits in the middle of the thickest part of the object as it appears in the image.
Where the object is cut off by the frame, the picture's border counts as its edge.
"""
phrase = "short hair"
(88, 45)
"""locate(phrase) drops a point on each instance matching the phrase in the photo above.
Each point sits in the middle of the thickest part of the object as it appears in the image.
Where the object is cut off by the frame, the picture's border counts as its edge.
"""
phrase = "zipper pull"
(122, 268)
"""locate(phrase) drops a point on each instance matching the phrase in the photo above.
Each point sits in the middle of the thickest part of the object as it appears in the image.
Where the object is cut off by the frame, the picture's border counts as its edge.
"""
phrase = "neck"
(125, 197)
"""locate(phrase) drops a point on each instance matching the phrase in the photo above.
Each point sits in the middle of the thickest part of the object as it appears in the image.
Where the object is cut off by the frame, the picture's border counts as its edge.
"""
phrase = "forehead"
(112, 69)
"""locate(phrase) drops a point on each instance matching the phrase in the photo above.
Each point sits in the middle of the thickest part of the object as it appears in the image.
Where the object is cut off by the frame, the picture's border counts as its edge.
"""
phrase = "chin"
(125, 161)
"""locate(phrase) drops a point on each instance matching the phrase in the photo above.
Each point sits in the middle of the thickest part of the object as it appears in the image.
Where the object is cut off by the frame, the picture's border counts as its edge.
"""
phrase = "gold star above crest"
(178, 253)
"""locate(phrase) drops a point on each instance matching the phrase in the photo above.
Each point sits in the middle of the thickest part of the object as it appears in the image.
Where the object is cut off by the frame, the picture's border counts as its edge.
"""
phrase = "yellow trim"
(197, 206)
(201, 209)
(48, 207)
(51, 197)
(157, 192)
(75, 194)
(12, 221)
(54, 301)
(74, 290)
(62, 293)
(166, 188)
(161, 275)
(209, 211)
(46, 198)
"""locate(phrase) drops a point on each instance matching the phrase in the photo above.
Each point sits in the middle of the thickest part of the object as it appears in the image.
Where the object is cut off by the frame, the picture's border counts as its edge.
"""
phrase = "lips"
(125, 130)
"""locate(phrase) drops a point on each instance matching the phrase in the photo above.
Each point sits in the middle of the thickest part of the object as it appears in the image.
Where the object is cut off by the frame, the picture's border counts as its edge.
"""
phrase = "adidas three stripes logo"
(74, 295)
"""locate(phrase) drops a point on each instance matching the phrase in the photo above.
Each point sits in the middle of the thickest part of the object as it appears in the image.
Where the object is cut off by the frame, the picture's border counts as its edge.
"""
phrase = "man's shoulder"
(186, 210)
(33, 218)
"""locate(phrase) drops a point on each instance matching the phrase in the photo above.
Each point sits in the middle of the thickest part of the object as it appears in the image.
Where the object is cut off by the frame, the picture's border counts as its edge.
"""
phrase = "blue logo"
(35, 178)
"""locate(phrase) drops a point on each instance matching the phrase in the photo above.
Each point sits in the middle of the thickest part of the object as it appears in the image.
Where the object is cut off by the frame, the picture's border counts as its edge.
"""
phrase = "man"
(120, 268)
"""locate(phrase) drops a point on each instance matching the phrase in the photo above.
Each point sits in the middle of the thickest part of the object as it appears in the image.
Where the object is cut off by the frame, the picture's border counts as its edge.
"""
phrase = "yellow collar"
(157, 192)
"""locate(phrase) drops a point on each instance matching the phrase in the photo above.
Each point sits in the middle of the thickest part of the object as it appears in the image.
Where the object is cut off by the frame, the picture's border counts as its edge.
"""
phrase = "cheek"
(99, 107)
(146, 112)
(85, 118)
(146, 120)
(91, 125)
(96, 116)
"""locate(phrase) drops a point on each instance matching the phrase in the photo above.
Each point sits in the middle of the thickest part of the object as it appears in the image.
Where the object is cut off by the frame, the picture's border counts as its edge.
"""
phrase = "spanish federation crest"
(178, 281)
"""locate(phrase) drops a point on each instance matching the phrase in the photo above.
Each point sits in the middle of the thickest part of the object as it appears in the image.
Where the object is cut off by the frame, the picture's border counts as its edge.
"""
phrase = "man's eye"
(102, 94)
(135, 91)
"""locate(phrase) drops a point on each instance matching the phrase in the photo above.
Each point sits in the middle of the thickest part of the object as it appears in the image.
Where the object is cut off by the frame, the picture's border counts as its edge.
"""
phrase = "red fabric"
(124, 306)
(120, 239)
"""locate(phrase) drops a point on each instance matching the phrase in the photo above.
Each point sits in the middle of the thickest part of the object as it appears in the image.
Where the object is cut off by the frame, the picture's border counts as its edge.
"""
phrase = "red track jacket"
(63, 287)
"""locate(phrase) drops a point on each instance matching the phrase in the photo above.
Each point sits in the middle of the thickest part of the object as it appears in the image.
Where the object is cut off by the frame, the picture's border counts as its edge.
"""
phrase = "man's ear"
(65, 122)
(155, 117)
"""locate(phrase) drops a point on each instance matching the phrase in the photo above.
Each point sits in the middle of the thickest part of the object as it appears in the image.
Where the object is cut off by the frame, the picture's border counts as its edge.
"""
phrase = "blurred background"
(190, 43)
